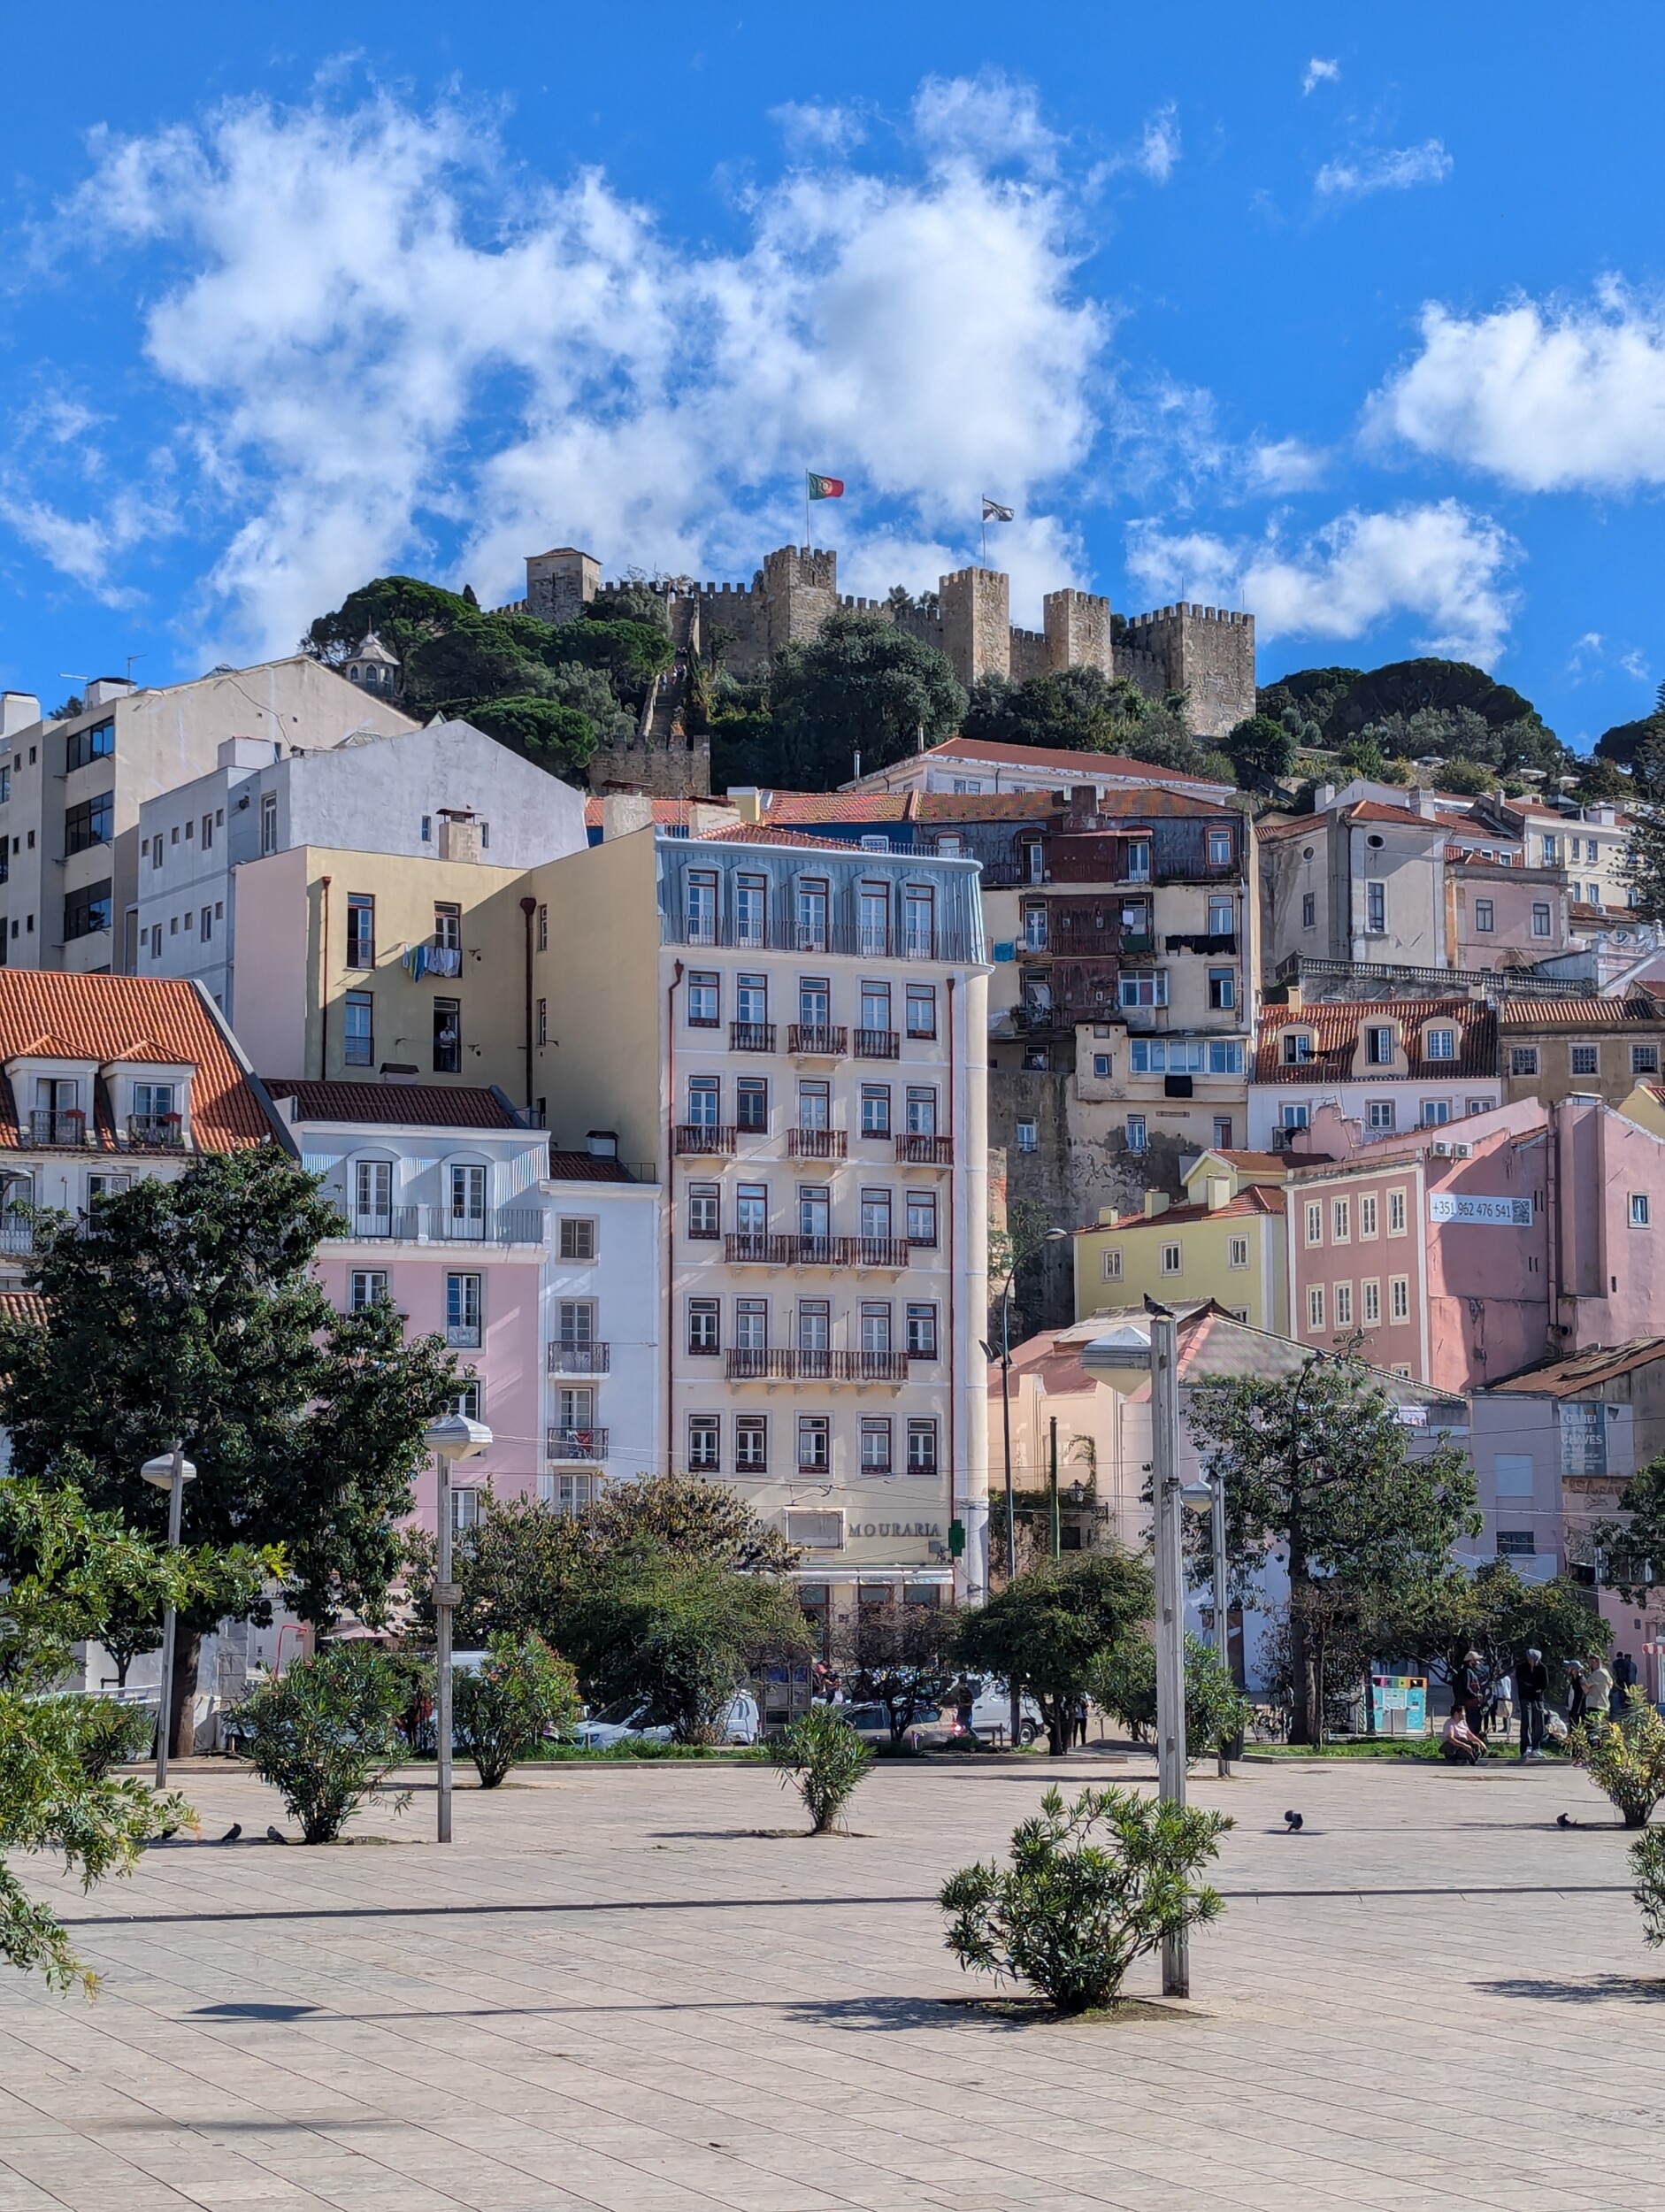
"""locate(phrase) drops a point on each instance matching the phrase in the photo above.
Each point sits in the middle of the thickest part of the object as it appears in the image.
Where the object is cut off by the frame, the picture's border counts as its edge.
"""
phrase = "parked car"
(628, 1716)
(934, 1724)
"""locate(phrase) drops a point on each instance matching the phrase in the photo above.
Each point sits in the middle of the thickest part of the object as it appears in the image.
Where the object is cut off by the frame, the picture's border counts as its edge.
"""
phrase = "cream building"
(1226, 1242)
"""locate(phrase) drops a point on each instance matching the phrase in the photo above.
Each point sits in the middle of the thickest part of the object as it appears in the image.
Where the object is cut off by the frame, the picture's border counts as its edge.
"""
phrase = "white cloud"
(1285, 464)
(1548, 399)
(1320, 73)
(809, 127)
(1392, 169)
(1439, 563)
(1159, 148)
(88, 550)
(383, 340)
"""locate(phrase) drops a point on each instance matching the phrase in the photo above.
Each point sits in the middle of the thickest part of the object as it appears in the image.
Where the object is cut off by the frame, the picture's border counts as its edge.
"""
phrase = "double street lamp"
(169, 1472)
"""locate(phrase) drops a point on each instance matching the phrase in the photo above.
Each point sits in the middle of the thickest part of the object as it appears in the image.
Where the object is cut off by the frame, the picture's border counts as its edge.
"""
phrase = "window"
(1478, 1106)
(1292, 1116)
(543, 919)
(1517, 1543)
(1376, 909)
(427, 836)
(543, 1031)
(751, 1208)
(576, 1238)
(1638, 1210)
(5, 788)
(1035, 861)
(1483, 917)
(369, 1284)
(1587, 1059)
(462, 1310)
(87, 911)
(1396, 1213)
(1379, 1046)
(815, 1107)
(1102, 1066)
(1219, 849)
(1541, 919)
(96, 743)
(1523, 1060)
(1371, 1302)
(1644, 1059)
(876, 1109)
(702, 917)
(1551, 853)
(875, 1008)
(1315, 1221)
(703, 1211)
(814, 1455)
(872, 914)
(157, 849)
(875, 1445)
(468, 1197)
(1173, 1259)
(1139, 861)
(1342, 1295)
(206, 924)
(1436, 1112)
(1398, 1297)
(875, 1325)
(705, 1443)
(1315, 1307)
(268, 823)
(815, 1212)
(1297, 1047)
(1439, 1044)
(190, 918)
(448, 927)
(751, 1444)
(875, 1214)
(156, 939)
(1143, 987)
(1380, 1112)
(751, 999)
(1309, 910)
(704, 1327)
(190, 826)
(922, 1331)
(921, 1110)
(91, 823)
(1223, 1133)
(359, 1031)
(447, 1036)
(361, 930)
(918, 923)
(1110, 1263)
(1237, 1251)
(575, 1324)
(1367, 1217)
(921, 1009)
(1222, 988)
(815, 1326)
(1341, 1221)
(1136, 1137)
(152, 1101)
(922, 1447)
(1027, 1136)
(704, 1002)
(1035, 928)
(704, 1102)
(208, 832)
(750, 907)
(811, 917)
(100, 1186)
(921, 1218)
(751, 1324)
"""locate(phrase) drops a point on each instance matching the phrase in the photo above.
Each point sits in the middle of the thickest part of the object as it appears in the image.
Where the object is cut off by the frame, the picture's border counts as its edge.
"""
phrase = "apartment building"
(109, 1078)
(1386, 1064)
(1225, 1242)
(1600, 1048)
(71, 792)
(793, 1032)
(395, 791)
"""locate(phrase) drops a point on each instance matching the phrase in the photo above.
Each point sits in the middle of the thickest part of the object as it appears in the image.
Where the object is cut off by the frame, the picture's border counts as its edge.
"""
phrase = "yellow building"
(1225, 1242)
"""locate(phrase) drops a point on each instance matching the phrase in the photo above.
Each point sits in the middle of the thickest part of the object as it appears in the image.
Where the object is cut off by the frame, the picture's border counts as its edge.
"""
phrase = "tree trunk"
(187, 1651)
(1299, 1648)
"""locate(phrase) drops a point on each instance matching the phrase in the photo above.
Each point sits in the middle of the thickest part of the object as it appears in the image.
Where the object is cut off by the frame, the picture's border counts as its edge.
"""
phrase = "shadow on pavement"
(1636, 1989)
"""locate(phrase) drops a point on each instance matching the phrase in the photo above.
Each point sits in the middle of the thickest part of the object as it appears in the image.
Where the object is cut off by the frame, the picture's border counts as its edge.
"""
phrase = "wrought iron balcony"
(817, 1041)
(496, 1224)
(17, 1233)
(586, 1446)
(163, 1133)
(701, 1140)
(799, 1251)
(838, 1367)
(751, 1036)
(914, 1151)
(876, 1044)
(817, 1144)
(581, 1359)
(49, 1125)
(397, 1222)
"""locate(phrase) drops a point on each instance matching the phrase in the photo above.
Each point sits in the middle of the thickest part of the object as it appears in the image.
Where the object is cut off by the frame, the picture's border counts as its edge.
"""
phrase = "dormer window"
(1439, 1044)
(57, 1118)
(156, 1118)
(1379, 1046)
(1296, 1047)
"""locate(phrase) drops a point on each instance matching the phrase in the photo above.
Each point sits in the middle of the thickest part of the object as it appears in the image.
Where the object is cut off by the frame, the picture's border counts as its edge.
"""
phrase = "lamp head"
(1198, 1495)
(160, 1472)
(456, 1437)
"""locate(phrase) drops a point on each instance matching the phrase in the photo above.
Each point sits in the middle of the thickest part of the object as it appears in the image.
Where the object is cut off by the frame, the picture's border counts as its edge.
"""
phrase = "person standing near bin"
(1472, 1693)
(1533, 1682)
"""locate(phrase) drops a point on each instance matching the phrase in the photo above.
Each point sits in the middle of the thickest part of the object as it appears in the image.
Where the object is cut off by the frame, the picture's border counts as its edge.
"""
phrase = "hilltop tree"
(862, 686)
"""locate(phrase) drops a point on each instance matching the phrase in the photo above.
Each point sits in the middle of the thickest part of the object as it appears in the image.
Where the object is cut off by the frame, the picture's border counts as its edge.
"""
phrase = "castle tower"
(1078, 629)
(1206, 652)
(800, 587)
(976, 630)
(561, 584)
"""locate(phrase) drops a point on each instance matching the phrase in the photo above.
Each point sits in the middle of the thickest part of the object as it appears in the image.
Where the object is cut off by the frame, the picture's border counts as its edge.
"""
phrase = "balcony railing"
(700, 1139)
(851, 1367)
(1137, 940)
(751, 1036)
(790, 1251)
(17, 1235)
(841, 940)
(48, 1126)
(497, 1225)
(399, 1223)
(817, 1041)
(817, 1144)
(463, 1336)
(876, 1044)
(1201, 940)
(161, 1132)
(581, 1359)
(583, 1445)
(925, 1151)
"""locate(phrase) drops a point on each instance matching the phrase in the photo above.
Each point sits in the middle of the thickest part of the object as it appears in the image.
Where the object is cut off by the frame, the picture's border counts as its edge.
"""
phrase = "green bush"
(326, 1734)
(1647, 1863)
(825, 1761)
(1087, 1892)
(106, 1734)
(1626, 1758)
(521, 1690)
(1122, 1681)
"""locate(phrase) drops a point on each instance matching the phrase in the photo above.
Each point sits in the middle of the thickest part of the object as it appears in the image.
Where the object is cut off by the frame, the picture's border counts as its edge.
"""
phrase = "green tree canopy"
(1644, 864)
(861, 686)
(557, 737)
(1046, 1628)
(1492, 1611)
(1262, 749)
(401, 609)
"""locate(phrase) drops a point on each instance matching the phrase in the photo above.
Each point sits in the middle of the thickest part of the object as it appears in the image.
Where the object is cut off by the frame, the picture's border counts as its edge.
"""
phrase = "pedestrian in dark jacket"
(1624, 1680)
(1533, 1683)
(1471, 1691)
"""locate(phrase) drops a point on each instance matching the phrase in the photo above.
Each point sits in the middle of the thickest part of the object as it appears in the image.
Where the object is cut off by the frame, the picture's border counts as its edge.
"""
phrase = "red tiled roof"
(1255, 1200)
(24, 1305)
(1374, 810)
(1579, 1013)
(762, 833)
(1335, 1027)
(1252, 1163)
(1275, 827)
(673, 812)
(418, 1105)
(587, 1167)
(838, 806)
(1084, 765)
(110, 1017)
(1600, 1363)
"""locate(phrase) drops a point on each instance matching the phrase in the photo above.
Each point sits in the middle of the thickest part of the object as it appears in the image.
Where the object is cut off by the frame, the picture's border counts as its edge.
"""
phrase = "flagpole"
(806, 511)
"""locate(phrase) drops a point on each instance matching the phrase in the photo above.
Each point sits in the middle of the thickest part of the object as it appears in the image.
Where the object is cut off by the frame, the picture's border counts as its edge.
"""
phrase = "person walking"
(1533, 1681)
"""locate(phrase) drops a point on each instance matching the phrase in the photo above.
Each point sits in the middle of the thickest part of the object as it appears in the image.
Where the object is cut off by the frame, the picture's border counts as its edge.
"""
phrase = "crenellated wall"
(1206, 652)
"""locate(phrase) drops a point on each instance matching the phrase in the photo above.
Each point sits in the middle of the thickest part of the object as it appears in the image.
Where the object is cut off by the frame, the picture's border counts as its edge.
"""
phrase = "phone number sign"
(1485, 1213)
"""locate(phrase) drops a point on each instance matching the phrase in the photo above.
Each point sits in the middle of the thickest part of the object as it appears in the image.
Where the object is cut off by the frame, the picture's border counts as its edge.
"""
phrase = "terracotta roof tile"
(1578, 1013)
(1597, 1363)
(24, 1305)
(1336, 1026)
(98, 1017)
(1255, 1200)
(1053, 758)
(1373, 810)
(763, 833)
(587, 1167)
(416, 1105)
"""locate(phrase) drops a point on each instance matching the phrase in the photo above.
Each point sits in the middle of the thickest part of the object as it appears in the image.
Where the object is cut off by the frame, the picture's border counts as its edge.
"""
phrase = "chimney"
(748, 800)
(103, 689)
(602, 1144)
(18, 710)
(1156, 1202)
(1219, 1191)
(1081, 809)
(1424, 803)
(623, 811)
(459, 837)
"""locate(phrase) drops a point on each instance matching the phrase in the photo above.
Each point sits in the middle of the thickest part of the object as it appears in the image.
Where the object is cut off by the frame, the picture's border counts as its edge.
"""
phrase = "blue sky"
(1361, 329)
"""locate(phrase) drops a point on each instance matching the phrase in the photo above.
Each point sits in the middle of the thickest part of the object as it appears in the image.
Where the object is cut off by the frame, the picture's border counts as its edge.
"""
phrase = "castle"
(1206, 652)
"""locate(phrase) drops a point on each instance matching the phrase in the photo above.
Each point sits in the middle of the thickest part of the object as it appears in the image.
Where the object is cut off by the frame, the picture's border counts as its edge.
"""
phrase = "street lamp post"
(453, 1438)
(1208, 1495)
(169, 1472)
(1171, 1605)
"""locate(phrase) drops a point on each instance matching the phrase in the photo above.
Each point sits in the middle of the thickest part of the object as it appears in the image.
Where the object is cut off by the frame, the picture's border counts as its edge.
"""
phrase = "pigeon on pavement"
(1293, 1821)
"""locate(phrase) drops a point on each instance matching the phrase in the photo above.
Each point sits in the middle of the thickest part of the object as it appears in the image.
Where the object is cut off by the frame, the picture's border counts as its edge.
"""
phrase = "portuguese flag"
(823, 487)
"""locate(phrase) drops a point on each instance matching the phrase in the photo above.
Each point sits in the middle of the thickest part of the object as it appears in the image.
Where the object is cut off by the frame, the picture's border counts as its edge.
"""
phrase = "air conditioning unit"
(1440, 1149)
(1463, 1151)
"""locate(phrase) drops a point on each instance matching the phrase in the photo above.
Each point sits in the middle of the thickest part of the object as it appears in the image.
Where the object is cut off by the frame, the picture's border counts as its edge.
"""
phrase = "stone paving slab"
(647, 1991)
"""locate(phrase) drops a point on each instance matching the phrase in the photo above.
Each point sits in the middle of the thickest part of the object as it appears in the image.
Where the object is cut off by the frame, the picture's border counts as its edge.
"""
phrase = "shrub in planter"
(1088, 1890)
(521, 1692)
(1626, 1758)
(326, 1734)
(822, 1756)
(1647, 1863)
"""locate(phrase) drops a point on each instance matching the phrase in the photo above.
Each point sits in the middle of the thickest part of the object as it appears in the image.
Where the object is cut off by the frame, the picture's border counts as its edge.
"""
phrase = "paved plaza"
(642, 1989)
